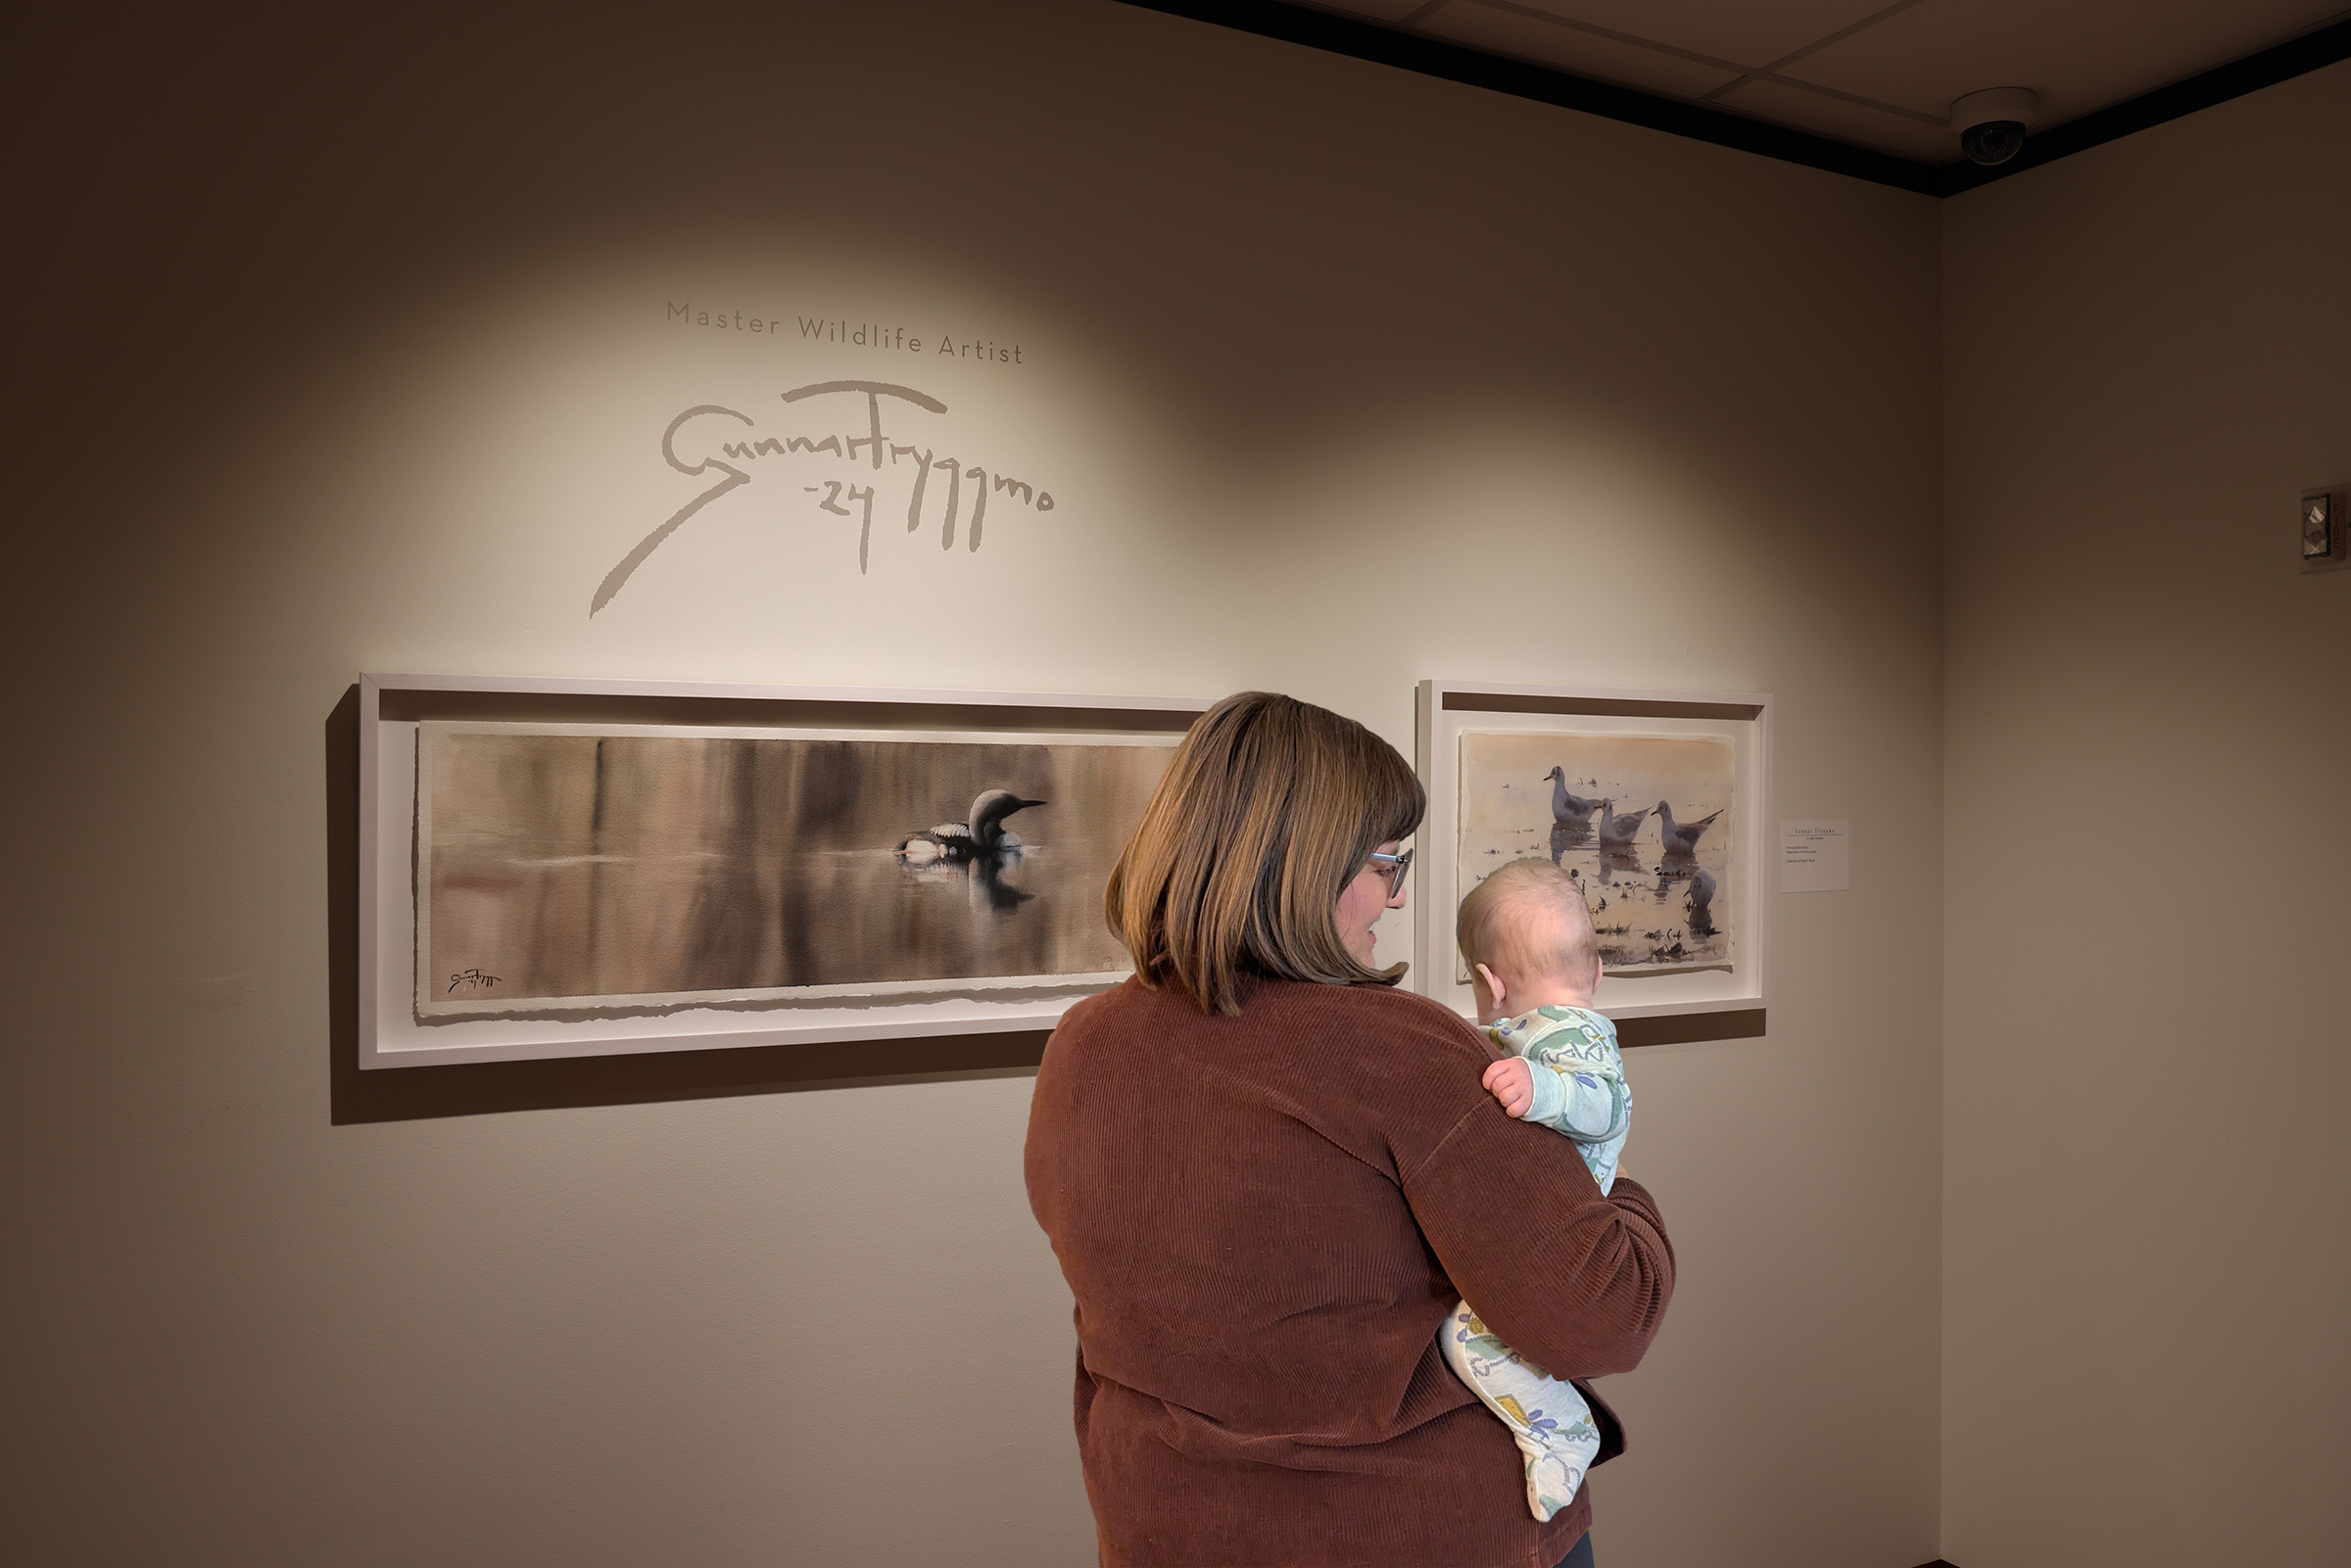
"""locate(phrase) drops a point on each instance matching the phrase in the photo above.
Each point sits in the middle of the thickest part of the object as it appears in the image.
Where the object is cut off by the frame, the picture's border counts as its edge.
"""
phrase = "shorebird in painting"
(1616, 832)
(1567, 808)
(1681, 838)
(1700, 905)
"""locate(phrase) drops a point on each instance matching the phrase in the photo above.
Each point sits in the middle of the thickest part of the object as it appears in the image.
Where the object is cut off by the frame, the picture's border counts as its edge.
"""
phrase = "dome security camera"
(1991, 124)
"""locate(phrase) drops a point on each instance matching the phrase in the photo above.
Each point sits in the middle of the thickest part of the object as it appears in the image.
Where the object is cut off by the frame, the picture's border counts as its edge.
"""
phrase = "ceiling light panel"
(1512, 31)
(1739, 30)
(1388, 11)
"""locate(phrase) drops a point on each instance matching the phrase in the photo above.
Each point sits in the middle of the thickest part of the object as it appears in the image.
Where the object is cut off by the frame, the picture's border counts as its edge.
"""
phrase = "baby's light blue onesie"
(1579, 1090)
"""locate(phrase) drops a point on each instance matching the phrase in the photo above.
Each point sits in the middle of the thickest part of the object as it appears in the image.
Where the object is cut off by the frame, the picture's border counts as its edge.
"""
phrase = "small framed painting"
(2324, 530)
(1654, 802)
(574, 868)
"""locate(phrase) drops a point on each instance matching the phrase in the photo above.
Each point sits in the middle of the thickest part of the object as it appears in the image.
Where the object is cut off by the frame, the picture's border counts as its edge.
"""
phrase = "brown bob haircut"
(1269, 808)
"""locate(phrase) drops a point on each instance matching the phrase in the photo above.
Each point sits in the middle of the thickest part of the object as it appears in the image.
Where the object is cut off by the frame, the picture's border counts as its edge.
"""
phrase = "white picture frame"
(1448, 709)
(393, 710)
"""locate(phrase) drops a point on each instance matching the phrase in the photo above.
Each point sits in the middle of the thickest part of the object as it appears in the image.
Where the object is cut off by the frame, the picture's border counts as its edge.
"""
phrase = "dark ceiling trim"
(1433, 56)
(2283, 62)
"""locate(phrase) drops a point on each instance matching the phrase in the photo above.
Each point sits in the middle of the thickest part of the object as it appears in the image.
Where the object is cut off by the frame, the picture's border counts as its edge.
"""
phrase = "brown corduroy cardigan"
(1263, 1219)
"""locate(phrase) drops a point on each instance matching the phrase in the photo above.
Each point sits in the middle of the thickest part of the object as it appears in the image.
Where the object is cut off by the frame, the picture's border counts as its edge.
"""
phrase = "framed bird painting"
(578, 868)
(1651, 801)
(2325, 528)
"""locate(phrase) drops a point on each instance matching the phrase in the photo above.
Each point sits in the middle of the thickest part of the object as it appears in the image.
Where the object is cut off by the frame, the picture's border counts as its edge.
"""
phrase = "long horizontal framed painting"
(574, 867)
(1655, 803)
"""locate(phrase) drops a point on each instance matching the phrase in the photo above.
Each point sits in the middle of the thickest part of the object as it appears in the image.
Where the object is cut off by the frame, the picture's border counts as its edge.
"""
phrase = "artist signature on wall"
(924, 471)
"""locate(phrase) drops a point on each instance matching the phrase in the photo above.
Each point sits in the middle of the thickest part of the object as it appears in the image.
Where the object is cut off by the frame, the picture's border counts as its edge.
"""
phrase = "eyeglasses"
(1392, 869)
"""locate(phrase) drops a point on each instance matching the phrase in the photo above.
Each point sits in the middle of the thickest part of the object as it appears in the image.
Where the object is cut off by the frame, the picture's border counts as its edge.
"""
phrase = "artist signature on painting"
(472, 980)
(927, 472)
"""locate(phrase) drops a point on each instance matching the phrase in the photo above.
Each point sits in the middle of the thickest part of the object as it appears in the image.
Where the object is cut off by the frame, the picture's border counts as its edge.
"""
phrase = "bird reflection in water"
(1617, 886)
(982, 876)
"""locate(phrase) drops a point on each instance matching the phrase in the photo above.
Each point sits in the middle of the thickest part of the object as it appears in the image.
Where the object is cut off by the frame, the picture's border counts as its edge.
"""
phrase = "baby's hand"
(1513, 1082)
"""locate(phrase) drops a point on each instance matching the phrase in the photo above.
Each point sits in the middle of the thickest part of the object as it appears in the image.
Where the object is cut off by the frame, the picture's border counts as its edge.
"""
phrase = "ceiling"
(1869, 73)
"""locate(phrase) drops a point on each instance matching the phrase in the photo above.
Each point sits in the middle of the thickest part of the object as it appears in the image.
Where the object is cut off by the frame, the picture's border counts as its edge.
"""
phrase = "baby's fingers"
(1509, 1081)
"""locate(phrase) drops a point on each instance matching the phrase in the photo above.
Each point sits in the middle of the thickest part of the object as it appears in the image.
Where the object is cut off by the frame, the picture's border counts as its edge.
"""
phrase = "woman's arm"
(1574, 1280)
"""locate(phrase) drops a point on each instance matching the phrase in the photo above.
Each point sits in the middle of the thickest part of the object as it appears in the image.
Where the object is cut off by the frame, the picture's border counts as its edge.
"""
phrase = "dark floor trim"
(1431, 57)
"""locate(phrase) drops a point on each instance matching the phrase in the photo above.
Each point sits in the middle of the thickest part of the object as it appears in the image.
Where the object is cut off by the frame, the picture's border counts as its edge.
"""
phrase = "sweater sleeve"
(1585, 1100)
(1572, 1279)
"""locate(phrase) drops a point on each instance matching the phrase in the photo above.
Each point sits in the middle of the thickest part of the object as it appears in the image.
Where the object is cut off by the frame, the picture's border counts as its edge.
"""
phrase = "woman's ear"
(1494, 987)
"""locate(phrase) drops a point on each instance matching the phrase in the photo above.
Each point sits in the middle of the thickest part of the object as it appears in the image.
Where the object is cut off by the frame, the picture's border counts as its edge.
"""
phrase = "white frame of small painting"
(395, 709)
(1449, 710)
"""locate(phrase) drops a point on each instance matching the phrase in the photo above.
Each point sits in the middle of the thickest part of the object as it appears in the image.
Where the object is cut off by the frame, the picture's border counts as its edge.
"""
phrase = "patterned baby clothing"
(1579, 1090)
(1583, 1095)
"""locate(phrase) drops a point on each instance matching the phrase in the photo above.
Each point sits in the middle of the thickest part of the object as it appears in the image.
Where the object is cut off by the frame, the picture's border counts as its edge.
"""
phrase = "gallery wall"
(353, 350)
(2147, 1242)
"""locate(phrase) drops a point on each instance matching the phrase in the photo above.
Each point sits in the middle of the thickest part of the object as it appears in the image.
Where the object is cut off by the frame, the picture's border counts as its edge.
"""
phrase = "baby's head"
(1526, 933)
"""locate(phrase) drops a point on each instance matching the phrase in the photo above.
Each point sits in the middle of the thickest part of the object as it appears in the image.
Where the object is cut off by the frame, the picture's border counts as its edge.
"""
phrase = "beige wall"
(2147, 1201)
(353, 355)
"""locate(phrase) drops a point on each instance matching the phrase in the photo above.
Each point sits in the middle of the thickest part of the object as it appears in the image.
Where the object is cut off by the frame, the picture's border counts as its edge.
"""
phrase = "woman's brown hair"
(1269, 808)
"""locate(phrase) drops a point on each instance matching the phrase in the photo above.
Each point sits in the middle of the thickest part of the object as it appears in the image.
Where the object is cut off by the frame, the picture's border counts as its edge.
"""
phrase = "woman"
(1268, 1177)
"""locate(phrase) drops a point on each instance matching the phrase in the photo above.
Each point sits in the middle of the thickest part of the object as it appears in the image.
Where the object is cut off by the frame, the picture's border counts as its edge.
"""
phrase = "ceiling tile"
(1738, 31)
(1548, 43)
(2079, 54)
(1823, 115)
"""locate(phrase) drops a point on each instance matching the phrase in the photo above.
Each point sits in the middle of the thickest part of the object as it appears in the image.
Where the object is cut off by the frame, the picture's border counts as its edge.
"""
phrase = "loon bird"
(982, 836)
(1681, 838)
(1569, 809)
(1616, 832)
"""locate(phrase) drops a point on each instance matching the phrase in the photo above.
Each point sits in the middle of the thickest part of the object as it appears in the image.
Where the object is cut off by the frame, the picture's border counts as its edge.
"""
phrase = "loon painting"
(603, 866)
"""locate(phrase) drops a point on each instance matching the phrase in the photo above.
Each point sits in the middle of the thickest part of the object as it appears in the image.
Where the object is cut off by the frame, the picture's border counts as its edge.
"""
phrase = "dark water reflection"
(1648, 910)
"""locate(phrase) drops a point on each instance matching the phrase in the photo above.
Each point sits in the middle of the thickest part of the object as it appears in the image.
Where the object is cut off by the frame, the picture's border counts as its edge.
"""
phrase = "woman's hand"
(1511, 1082)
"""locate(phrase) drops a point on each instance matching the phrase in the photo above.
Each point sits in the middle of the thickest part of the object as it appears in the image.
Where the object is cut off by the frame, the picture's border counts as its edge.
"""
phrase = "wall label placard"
(1815, 857)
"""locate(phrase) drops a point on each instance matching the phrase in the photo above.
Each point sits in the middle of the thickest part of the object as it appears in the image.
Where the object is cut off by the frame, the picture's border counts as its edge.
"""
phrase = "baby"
(1526, 934)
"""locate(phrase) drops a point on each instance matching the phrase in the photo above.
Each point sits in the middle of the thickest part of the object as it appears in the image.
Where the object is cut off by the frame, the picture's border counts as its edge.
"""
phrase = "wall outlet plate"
(2323, 529)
